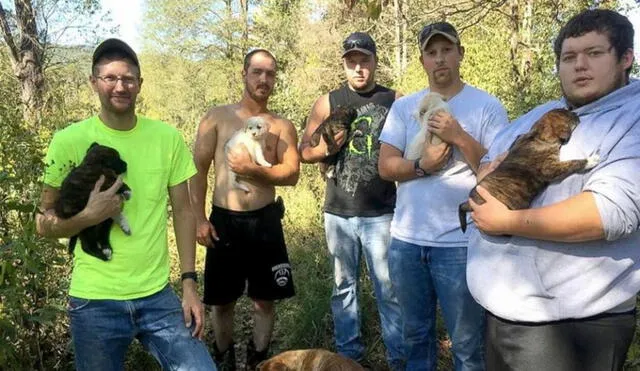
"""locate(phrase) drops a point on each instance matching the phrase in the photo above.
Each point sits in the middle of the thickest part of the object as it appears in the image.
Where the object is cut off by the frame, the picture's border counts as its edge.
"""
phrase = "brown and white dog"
(533, 161)
(309, 360)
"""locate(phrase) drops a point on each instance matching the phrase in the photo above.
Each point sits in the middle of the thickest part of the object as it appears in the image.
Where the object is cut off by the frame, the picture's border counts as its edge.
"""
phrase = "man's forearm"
(198, 193)
(277, 175)
(51, 226)
(574, 220)
(397, 169)
(311, 155)
(185, 228)
(471, 149)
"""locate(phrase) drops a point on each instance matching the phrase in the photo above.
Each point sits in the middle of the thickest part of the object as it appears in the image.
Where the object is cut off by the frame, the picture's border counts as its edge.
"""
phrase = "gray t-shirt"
(426, 210)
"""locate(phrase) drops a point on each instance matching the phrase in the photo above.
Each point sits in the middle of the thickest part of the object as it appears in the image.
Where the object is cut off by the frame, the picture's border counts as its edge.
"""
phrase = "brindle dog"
(75, 191)
(532, 163)
(309, 360)
(340, 119)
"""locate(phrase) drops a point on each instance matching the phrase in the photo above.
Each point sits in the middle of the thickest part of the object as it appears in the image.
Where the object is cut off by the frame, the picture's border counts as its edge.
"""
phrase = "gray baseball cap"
(438, 28)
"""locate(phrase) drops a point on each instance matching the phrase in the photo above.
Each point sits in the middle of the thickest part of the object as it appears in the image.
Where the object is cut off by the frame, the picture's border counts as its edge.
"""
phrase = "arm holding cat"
(608, 207)
(204, 151)
(287, 169)
(319, 112)
(100, 206)
(184, 225)
(575, 219)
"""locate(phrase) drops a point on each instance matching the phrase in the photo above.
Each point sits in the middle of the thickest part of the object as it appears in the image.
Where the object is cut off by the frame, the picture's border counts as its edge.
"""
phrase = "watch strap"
(419, 171)
(187, 275)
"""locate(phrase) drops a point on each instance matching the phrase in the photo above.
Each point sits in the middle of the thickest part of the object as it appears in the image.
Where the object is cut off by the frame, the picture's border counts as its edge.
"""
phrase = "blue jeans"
(347, 239)
(425, 275)
(103, 329)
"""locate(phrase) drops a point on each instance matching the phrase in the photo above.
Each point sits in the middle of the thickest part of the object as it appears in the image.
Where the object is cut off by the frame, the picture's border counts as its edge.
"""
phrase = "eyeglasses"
(438, 26)
(592, 53)
(111, 80)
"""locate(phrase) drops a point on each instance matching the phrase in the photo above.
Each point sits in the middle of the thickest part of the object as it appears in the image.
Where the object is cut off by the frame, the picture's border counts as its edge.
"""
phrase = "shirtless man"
(244, 232)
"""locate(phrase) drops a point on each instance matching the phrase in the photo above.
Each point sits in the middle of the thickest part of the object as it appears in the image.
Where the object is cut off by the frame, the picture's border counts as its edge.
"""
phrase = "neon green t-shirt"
(157, 158)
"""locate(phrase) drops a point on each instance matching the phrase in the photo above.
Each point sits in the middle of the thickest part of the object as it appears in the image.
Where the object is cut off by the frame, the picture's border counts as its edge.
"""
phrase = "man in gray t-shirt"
(560, 289)
(428, 252)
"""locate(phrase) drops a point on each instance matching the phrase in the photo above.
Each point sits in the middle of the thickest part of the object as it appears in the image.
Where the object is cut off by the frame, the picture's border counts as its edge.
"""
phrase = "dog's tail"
(72, 244)
(462, 215)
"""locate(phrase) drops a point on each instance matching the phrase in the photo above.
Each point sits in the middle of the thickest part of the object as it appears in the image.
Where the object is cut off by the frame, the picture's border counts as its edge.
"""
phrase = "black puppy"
(75, 191)
(339, 120)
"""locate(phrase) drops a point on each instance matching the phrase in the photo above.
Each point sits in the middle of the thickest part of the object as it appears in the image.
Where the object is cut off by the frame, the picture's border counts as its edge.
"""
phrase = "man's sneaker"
(254, 357)
(225, 361)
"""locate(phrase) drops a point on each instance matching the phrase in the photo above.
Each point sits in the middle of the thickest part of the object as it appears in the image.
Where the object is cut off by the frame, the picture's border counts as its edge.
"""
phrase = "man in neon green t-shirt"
(111, 302)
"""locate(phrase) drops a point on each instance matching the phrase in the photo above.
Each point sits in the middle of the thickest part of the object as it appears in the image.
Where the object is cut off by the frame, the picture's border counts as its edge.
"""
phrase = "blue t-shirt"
(426, 210)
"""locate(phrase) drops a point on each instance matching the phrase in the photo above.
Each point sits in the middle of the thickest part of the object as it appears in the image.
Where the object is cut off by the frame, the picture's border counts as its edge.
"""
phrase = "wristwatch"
(192, 275)
(419, 171)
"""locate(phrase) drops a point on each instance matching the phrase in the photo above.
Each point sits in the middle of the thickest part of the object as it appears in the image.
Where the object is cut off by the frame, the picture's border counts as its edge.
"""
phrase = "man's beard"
(257, 97)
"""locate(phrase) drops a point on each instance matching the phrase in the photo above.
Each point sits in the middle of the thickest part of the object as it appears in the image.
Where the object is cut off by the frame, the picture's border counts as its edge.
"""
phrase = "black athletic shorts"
(251, 251)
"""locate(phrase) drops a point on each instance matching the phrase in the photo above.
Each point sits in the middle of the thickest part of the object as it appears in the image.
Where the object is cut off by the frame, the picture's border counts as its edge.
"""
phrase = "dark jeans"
(596, 343)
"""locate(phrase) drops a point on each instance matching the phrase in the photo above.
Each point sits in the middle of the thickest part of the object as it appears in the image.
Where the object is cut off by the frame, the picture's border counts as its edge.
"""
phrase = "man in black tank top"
(358, 203)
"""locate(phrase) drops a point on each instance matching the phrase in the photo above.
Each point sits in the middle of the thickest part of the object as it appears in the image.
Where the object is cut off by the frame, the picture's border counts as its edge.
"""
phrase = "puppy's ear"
(544, 129)
(94, 144)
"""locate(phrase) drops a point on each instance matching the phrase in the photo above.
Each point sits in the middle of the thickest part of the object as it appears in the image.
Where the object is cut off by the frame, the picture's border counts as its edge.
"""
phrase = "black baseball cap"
(438, 28)
(360, 42)
(114, 44)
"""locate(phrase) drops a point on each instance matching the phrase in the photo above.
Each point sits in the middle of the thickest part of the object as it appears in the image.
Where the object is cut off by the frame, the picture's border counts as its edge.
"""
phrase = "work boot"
(254, 357)
(225, 361)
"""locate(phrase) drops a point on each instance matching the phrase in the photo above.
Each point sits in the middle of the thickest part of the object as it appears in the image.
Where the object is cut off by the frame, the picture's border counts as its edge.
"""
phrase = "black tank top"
(357, 189)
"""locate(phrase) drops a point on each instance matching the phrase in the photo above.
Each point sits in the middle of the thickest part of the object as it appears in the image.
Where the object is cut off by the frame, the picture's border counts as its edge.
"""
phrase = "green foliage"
(191, 61)
(32, 293)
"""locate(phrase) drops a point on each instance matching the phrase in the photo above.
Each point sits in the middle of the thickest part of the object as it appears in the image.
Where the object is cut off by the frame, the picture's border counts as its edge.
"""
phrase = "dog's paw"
(107, 253)
(331, 172)
(127, 194)
(592, 161)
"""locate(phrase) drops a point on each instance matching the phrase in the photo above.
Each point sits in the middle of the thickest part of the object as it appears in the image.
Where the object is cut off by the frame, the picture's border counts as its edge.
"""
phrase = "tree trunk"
(244, 8)
(26, 59)
(514, 41)
(405, 33)
(398, 40)
(229, 38)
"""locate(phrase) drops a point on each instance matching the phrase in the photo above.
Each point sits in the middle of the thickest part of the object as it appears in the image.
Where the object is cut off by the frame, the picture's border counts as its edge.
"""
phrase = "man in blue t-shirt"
(428, 252)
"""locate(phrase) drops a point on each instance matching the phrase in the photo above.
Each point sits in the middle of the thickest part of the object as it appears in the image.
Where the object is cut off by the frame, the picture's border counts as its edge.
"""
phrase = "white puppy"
(252, 137)
(429, 105)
